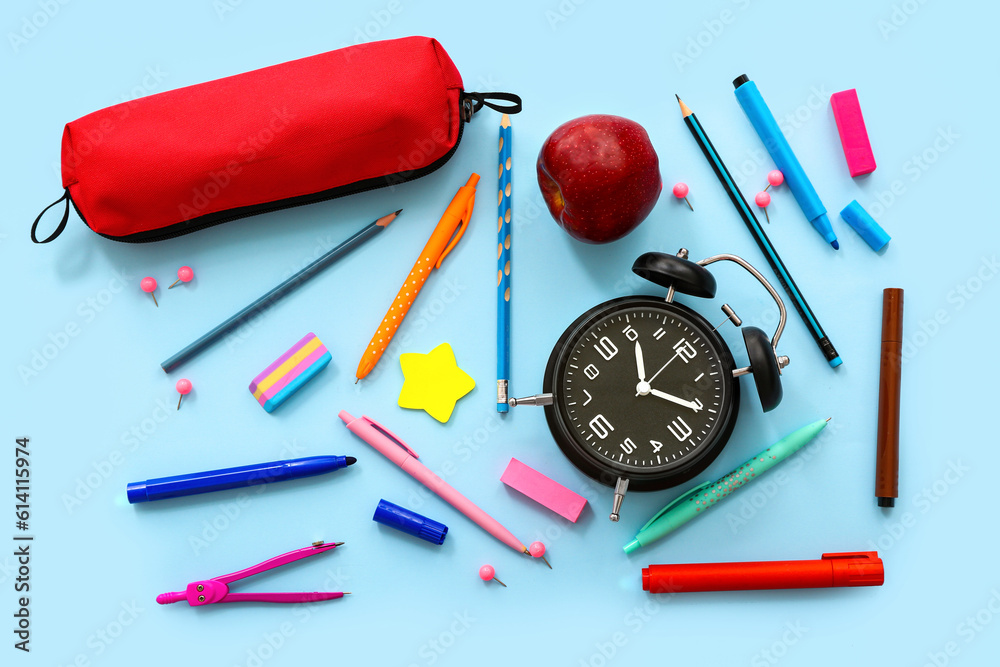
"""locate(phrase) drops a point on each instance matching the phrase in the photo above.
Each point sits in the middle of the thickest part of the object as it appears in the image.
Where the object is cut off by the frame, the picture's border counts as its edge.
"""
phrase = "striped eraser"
(291, 370)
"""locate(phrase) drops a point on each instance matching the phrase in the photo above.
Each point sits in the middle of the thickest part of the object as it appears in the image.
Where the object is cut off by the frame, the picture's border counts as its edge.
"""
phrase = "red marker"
(863, 568)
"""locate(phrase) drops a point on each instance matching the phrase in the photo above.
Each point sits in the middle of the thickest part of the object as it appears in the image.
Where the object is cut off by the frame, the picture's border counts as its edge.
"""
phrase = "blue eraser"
(857, 217)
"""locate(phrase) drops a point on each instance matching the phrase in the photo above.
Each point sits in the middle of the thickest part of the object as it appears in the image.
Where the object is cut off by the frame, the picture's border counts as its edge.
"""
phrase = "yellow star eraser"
(433, 382)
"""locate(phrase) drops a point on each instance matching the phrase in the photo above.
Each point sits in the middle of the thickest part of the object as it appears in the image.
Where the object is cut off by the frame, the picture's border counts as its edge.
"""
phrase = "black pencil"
(759, 236)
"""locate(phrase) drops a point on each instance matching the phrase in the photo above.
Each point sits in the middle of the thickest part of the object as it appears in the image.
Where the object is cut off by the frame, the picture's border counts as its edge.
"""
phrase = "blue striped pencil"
(503, 265)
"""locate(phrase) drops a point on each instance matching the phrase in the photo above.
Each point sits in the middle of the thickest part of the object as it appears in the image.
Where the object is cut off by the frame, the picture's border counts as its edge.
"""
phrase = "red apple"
(599, 176)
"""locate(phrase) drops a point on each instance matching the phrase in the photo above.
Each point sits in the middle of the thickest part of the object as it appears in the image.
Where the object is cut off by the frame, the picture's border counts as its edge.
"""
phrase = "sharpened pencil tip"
(357, 380)
(386, 219)
(399, 211)
(685, 109)
(337, 544)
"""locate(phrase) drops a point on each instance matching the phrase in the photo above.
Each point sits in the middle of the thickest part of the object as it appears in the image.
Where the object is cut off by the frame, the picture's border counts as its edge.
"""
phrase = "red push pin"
(775, 178)
(487, 573)
(762, 199)
(148, 285)
(681, 192)
(183, 387)
(184, 275)
(537, 550)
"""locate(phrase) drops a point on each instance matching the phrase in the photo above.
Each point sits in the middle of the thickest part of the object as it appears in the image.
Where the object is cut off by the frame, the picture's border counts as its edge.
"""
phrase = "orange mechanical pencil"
(447, 233)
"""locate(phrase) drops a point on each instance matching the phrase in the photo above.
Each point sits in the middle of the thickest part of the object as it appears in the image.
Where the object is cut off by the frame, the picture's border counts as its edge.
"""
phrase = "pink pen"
(393, 448)
(210, 591)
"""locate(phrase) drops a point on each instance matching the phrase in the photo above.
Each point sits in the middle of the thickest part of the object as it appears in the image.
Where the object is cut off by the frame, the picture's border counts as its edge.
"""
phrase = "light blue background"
(923, 70)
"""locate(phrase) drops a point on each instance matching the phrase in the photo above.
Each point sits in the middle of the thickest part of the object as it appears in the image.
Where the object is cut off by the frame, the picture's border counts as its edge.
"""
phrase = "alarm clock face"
(642, 389)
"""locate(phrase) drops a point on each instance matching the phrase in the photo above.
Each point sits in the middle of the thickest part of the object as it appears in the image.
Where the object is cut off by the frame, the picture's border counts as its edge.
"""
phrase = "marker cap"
(400, 518)
(860, 568)
(857, 217)
(136, 492)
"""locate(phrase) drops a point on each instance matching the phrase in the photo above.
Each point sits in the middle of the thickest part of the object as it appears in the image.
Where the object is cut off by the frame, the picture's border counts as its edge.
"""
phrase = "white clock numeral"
(660, 333)
(591, 371)
(657, 445)
(685, 350)
(630, 333)
(606, 348)
(589, 397)
(697, 407)
(679, 429)
(601, 426)
(628, 446)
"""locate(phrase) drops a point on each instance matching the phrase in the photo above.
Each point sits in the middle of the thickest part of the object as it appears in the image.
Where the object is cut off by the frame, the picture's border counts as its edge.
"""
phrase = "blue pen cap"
(400, 518)
(136, 492)
(857, 217)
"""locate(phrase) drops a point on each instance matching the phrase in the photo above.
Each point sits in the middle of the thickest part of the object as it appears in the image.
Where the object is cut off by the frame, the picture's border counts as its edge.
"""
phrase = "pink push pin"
(681, 192)
(537, 550)
(148, 285)
(775, 178)
(487, 573)
(184, 275)
(762, 199)
(183, 388)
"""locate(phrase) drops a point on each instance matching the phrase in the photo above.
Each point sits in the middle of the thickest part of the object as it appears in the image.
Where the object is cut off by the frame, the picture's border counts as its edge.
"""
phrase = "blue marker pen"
(784, 159)
(230, 478)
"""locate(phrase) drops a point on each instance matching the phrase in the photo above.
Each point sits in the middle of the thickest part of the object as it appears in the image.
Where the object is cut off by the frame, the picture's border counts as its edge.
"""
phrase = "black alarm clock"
(641, 392)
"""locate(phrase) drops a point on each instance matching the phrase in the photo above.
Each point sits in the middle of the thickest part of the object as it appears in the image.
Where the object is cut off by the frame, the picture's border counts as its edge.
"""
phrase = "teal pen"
(701, 498)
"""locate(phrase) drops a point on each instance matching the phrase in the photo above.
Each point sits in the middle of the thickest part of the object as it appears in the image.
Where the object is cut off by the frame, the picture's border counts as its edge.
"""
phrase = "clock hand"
(642, 388)
(662, 367)
(694, 405)
(639, 365)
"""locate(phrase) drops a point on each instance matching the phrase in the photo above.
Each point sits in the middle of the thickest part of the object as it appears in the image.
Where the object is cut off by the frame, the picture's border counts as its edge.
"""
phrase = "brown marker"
(887, 450)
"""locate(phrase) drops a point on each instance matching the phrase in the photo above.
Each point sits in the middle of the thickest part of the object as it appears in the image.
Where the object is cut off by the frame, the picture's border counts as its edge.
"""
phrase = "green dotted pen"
(701, 498)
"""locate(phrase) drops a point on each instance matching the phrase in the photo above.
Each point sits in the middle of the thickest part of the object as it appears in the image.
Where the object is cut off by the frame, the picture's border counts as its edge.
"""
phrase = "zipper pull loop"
(62, 223)
(473, 102)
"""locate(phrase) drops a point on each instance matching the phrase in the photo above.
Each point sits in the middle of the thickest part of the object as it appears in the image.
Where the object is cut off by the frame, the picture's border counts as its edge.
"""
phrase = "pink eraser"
(853, 135)
(543, 490)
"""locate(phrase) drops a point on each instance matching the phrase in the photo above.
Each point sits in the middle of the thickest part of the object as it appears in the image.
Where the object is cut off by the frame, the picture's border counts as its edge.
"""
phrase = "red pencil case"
(345, 121)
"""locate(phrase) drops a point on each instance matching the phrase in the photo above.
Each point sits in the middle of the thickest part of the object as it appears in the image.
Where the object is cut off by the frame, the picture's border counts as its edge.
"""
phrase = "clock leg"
(537, 399)
(621, 486)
